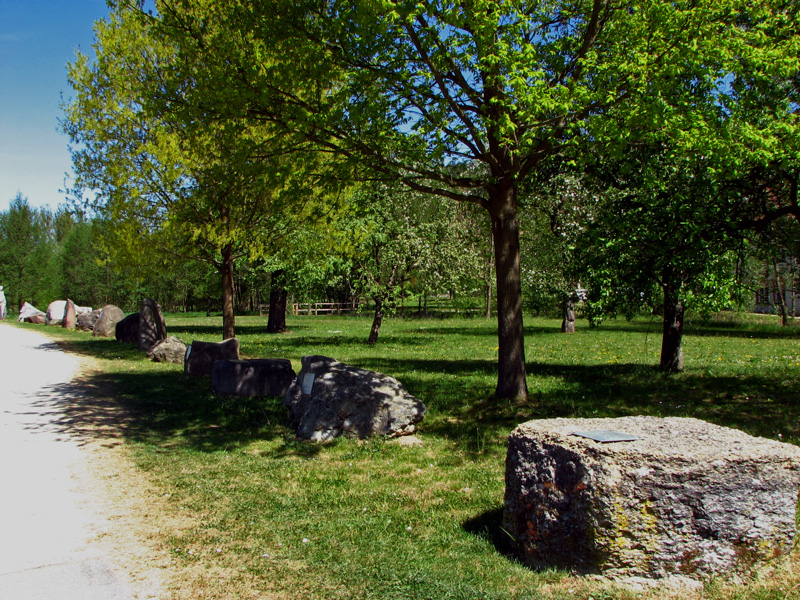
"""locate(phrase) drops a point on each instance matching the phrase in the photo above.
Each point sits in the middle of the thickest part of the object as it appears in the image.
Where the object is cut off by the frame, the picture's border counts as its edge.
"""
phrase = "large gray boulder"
(86, 321)
(54, 315)
(257, 377)
(169, 350)
(329, 399)
(127, 330)
(30, 314)
(106, 325)
(152, 328)
(201, 356)
(686, 498)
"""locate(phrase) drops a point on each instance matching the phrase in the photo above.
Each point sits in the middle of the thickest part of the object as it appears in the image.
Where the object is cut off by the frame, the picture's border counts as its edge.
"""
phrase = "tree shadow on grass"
(758, 405)
(699, 328)
(214, 332)
(167, 408)
(163, 409)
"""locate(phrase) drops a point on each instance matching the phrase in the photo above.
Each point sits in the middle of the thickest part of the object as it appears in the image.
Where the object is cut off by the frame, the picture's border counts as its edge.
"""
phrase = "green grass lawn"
(274, 517)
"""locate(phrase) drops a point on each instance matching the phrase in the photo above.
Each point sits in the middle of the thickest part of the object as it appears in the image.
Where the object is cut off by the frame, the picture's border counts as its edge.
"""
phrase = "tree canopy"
(406, 89)
(223, 104)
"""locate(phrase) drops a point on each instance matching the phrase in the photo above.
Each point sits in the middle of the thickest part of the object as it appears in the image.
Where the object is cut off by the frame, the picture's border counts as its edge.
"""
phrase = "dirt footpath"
(73, 515)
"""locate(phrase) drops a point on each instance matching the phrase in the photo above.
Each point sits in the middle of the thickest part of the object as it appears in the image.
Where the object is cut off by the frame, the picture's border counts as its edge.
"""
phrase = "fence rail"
(323, 308)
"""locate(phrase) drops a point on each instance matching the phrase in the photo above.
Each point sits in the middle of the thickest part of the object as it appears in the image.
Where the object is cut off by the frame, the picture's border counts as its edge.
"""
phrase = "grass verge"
(264, 515)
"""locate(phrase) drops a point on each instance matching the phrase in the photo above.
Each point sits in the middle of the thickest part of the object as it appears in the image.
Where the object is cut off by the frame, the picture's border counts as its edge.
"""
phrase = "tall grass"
(274, 517)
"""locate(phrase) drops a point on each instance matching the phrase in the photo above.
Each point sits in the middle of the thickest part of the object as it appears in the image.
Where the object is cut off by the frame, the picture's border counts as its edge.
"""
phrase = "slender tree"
(665, 235)
(395, 240)
(214, 190)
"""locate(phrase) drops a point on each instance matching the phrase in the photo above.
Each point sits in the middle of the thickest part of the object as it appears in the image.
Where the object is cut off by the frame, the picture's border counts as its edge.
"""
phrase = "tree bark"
(276, 322)
(780, 287)
(488, 280)
(671, 340)
(377, 321)
(502, 207)
(228, 316)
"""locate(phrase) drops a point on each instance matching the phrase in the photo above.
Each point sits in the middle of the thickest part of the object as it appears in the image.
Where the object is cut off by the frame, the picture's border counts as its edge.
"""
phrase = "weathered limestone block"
(247, 378)
(687, 498)
(152, 328)
(127, 330)
(169, 350)
(201, 356)
(329, 399)
(87, 320)
(54, 315)
(106, 325)
(70, 316)
(30, 314)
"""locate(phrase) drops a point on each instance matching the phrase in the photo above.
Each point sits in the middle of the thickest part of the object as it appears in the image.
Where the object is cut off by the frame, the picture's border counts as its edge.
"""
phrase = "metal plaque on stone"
(307, 383)
(606, 436)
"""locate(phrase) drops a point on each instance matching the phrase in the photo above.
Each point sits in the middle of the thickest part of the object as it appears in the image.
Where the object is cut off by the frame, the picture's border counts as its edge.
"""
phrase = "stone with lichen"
(687, 498)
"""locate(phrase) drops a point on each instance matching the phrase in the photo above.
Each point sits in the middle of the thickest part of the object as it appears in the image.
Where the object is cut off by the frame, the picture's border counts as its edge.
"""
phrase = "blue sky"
(37, 40)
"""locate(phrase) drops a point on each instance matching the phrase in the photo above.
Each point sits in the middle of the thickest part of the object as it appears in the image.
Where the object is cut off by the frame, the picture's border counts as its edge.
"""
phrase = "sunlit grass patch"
(270, 516)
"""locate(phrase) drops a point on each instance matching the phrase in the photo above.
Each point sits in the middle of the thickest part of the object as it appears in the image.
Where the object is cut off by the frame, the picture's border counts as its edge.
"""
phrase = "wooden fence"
(323, 308)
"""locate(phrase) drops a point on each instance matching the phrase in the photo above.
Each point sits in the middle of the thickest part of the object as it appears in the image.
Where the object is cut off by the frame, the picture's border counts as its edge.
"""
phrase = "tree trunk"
(671, 340)
(502, 207)
(780, 286)
(488, 280)
(567, 314)
(377, 321)
(228, 316)
(277, 304)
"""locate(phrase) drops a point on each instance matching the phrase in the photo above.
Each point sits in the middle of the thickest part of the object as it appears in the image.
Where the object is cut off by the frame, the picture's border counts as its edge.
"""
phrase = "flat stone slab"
(152, 328)
(684, 498)
(201, 356)
(249, 378)
(30, 314)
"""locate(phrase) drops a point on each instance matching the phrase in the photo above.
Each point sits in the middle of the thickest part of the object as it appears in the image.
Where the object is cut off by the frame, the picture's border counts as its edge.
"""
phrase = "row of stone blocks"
(232, 376)
(684, 498)
(325, 400)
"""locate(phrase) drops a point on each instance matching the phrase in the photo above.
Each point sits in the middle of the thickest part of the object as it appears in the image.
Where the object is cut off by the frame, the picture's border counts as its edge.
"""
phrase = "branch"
(454, 106)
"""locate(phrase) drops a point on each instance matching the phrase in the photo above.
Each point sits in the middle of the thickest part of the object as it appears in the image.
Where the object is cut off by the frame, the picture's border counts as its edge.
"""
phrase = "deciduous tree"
(215, 190)
(664, 235)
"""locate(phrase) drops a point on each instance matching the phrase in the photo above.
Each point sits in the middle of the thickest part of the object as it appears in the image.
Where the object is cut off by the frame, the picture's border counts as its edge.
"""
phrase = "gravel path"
(46, 520)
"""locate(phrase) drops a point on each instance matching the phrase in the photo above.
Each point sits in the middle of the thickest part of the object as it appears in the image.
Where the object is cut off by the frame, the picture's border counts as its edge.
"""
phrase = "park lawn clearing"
(248, 511)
